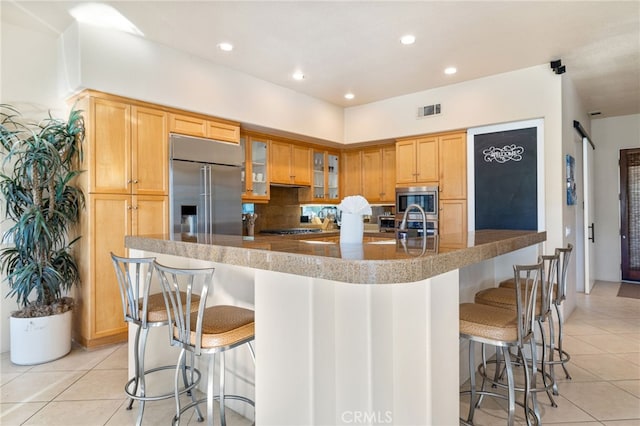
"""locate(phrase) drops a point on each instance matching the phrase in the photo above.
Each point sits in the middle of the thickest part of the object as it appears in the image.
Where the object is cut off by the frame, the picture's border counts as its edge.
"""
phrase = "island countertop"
(378, 260)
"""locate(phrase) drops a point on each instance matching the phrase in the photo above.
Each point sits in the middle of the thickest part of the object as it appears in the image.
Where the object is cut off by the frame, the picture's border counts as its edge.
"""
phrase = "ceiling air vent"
(427, 110)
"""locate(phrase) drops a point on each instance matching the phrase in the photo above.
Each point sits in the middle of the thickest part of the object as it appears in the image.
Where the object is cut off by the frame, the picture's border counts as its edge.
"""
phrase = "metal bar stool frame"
(527, 279)
(503, 297)
(134, 276)
(189, 339)
(560, 296)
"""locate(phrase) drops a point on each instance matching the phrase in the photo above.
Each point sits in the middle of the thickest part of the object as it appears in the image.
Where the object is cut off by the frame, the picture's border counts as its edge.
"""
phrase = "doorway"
(630, 214)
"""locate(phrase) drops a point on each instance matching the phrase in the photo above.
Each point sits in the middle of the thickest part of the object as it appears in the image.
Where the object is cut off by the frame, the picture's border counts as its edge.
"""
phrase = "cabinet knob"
(135, 207)
(135, 181)
(129, 207)
(129, 181)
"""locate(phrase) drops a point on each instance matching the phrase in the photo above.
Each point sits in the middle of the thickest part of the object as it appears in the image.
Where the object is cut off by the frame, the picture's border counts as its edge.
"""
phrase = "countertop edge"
(335, 269)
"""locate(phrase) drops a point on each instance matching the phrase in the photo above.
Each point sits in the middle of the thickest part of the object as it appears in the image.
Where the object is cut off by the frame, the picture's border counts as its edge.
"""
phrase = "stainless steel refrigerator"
(205, 188)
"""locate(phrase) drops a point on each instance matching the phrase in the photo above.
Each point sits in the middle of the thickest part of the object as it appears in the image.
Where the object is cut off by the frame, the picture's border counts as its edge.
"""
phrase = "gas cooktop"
(290, 231)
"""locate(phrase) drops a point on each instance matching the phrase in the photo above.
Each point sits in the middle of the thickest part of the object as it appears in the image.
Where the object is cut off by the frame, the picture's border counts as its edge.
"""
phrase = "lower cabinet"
(98, 312)
(452, 223)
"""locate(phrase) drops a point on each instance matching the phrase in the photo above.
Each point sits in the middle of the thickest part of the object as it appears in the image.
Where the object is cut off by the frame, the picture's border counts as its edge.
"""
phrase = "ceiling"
(354, 46)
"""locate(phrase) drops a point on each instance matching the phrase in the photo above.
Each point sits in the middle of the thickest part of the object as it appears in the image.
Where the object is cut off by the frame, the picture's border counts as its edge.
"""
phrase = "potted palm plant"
(43, 204)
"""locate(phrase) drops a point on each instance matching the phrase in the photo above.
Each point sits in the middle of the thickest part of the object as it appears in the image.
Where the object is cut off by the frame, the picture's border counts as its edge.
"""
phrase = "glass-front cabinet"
(254, 174)
(325, 177)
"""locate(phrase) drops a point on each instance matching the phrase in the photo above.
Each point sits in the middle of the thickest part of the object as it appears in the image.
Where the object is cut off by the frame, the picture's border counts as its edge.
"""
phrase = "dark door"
(630, 213)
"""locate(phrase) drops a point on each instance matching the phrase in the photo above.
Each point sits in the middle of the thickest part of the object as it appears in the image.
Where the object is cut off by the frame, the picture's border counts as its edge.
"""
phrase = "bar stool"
(504, 297)
(504, 329)
(144, 310)
(558, 296)
(211, 330)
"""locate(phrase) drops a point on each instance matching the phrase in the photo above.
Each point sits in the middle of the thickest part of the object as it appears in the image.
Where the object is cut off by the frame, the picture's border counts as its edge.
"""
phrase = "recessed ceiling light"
(298, 75)
(349, 96)
(226, 47)
(408, 39)
(103, 15)
(450, 70)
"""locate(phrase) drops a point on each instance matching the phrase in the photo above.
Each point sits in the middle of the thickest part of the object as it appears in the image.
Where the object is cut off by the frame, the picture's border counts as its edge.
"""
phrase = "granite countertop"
(379, 260)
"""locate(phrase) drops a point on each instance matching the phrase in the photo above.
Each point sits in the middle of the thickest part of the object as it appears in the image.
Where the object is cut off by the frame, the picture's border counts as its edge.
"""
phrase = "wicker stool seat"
(210, 330)
(504, 329)
(145, 310)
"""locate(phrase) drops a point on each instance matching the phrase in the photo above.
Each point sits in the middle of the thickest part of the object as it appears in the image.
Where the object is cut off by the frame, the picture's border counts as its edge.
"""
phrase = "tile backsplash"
(282, 211)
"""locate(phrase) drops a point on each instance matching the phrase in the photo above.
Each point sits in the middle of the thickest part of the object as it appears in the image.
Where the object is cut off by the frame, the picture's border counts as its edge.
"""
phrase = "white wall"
(610, 135)
(572, 216)
(131, 66)
(28, 80)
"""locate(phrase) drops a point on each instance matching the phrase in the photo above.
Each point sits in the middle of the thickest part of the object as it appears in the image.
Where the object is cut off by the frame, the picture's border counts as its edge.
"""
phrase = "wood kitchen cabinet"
(204, 128)
(255, 171)
(378, 174)
(351, 174)
(417, 161)
(126, 184)
(325, 187)
(290, 163)
(111, 217)
(127, 149)
(452, 221)
(452, 149)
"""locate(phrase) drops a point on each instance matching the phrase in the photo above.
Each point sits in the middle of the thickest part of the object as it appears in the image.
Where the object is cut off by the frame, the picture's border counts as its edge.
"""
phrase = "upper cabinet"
(325, 188)
(128, 150)
(378, 174)
(290, 163)
(351, 173)
(370, 172)
(417, 160)
(204, 128)
(255, 170)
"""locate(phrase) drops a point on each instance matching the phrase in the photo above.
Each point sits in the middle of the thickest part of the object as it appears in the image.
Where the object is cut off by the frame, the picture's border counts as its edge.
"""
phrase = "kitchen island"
(349, 334)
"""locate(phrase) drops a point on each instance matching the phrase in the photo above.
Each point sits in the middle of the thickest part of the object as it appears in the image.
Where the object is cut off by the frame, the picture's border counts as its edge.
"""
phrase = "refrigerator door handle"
(205, 199)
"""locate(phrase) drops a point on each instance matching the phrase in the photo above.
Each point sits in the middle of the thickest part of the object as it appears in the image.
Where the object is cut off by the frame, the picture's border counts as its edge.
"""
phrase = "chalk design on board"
(502, 155)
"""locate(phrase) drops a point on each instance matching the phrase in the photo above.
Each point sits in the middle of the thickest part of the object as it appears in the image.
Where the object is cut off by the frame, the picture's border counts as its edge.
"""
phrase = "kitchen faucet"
(403, 224)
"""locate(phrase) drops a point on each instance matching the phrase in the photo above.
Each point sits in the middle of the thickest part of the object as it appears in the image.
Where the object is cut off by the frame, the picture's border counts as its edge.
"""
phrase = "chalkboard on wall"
(506, 191)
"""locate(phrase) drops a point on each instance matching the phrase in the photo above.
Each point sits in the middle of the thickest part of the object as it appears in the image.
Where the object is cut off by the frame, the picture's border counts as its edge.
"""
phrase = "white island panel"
(341, 353)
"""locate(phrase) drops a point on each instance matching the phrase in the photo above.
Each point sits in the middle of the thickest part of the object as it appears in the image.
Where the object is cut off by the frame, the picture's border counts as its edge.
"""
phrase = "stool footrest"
(165, 395)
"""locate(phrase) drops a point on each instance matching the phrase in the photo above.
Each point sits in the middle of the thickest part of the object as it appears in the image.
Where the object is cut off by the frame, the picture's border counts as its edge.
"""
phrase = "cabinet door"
(352, 173)
(427, 159)
(388, 174)
(319, 187)
(280, 164)
(187, 125)
(149, 215)
(256, 160)
(223, 131)
(109, 153)
(109, 223)
(453, 166)
(372, 175)
(150, 152)
(405, 162)
(333, 173)
(301, 164)
(452, 222)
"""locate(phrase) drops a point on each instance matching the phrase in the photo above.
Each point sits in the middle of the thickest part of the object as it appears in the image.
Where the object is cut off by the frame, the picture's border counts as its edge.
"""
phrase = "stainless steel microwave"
(424, 196)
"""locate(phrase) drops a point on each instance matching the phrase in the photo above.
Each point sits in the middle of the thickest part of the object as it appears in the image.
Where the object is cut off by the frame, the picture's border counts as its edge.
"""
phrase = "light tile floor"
(602, 335)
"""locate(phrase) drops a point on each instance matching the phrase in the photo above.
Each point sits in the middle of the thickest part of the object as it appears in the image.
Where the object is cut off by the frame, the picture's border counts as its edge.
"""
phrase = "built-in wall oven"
(424, 196)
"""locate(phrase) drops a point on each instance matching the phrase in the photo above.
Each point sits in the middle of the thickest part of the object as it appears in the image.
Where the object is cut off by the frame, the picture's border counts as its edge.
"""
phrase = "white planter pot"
(38, 340)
